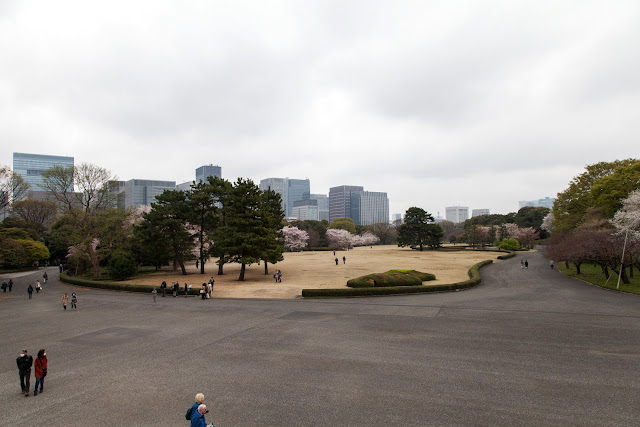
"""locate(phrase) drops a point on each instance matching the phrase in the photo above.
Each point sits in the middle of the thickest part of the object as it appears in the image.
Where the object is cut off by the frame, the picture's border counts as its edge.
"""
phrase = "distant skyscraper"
(305, 209)
(279, 185)
(291, 190)
(143, 192)
(203, 172)
(547, 202)
(457, 214)
(323, 206)
(31, 166)
(478, 212)
(369, 207)
(297, 189)
(397, 218)
(340, 201)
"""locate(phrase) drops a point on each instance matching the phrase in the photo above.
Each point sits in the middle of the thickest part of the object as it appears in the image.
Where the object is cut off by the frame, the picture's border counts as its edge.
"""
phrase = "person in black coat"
(25, 362)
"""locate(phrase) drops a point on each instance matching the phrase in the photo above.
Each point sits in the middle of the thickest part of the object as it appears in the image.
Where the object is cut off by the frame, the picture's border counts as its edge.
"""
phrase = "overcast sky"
(437, 103)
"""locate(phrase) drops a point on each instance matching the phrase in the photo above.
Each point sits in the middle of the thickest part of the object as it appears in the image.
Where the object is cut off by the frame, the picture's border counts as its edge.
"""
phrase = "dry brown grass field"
(302, 270)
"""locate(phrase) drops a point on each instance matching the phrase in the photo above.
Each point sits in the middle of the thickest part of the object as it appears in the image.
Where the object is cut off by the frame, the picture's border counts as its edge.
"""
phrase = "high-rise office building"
(143, 192)
(31, 166)
(291, 190)
(203, 172)
(305, 209)
(369, 207)
(340, 201)
(297, 189)
(279, 185)
(478, 212)
(457, 214)
(547, 202)
(323, 206)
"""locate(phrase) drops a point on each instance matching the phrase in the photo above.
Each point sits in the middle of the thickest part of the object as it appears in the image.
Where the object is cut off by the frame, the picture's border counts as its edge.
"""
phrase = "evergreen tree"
(418, 230)
(168, 217)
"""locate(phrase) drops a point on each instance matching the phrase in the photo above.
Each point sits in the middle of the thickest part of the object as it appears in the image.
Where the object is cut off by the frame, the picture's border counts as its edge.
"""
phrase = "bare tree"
(95, 193)
(12, 187)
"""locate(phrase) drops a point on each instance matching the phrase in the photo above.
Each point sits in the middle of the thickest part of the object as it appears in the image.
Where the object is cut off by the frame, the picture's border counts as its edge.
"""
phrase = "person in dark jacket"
(4, 286)
(197, 417)
(24, 363)
(186, 289)
(163, 287)
(199, 401)
(30, 290)
(40, 366)
(10, 284)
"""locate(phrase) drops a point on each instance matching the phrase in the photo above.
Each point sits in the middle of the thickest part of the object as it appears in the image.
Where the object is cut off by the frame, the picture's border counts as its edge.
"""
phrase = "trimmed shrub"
(474, 280)
(510, 254)
(121, 265)
(391, 278)
(509, 244)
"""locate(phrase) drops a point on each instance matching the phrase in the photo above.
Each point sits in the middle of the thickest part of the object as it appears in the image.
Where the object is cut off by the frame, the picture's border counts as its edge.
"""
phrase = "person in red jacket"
(41, 370)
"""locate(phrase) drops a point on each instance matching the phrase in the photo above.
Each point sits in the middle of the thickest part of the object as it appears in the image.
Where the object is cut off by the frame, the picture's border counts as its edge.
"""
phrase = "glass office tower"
(31, 166)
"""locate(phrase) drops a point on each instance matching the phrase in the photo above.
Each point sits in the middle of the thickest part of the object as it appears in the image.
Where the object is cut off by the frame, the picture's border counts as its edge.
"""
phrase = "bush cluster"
(474, 280)
(391, 278)
(122, 265)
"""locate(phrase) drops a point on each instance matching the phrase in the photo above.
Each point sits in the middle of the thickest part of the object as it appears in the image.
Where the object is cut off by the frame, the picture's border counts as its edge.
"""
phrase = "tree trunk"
(631, 271)
(242, 268)
(605, 270)
(420, 247)
(578, 267)
(266, 267)
(180, 262)
(623, 275)
(220, 265)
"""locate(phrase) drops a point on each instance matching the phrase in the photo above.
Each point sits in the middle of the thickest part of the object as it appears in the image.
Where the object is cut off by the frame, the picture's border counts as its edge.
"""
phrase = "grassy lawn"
(593, 274)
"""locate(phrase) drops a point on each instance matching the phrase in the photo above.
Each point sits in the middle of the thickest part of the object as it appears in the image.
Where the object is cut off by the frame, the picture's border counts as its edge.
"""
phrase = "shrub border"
(115, 286)
(474, 280)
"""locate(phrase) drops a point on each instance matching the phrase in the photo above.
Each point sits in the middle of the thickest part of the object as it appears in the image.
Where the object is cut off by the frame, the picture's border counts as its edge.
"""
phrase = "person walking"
(163, 288)
(44, 277)
(175, 286)
(197, 418)
(521, 263)
(153, 294)
(551, 263)
(344, 259)
(74, 301)
(24, 362)
(194, 408)
(40, 366)
(197, 264)
(4, 286)
(186, 290)
(30, 291)
(65, 300)
(10, 284)
(38, 287)
(526, 263)
(279, 276)
(337, 261)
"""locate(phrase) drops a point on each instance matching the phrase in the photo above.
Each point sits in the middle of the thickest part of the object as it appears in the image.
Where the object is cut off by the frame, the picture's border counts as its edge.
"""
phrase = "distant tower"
(203, 172)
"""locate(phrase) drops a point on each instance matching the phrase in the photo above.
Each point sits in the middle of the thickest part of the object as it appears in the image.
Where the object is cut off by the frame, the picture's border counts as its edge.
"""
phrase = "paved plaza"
(527, 347)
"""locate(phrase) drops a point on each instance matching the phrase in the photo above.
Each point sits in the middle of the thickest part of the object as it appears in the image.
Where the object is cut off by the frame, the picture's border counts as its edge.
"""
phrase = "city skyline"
(436, 104)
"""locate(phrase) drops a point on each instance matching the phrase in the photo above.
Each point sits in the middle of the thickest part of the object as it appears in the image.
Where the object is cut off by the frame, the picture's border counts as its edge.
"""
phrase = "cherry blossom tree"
(294, 238)
(339, 239)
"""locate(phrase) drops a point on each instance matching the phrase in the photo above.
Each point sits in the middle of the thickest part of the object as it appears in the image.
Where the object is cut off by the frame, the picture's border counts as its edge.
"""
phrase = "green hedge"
(119, 286)
(510, 254)
(390, 279)
(474, 280)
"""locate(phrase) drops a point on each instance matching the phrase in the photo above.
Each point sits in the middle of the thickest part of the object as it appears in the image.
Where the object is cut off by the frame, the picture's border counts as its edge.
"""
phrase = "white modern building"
(546, 202)
(305, 209)
(457, 214)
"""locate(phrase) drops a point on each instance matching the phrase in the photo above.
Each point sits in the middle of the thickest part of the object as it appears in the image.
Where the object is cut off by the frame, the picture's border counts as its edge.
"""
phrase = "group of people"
(74, 301)
(344, 260)
(524, 263)
(31, 288)
(25, 362)
(207, 289)
(197, 411)
(278, 276)
(175, 288)
(6, 285)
